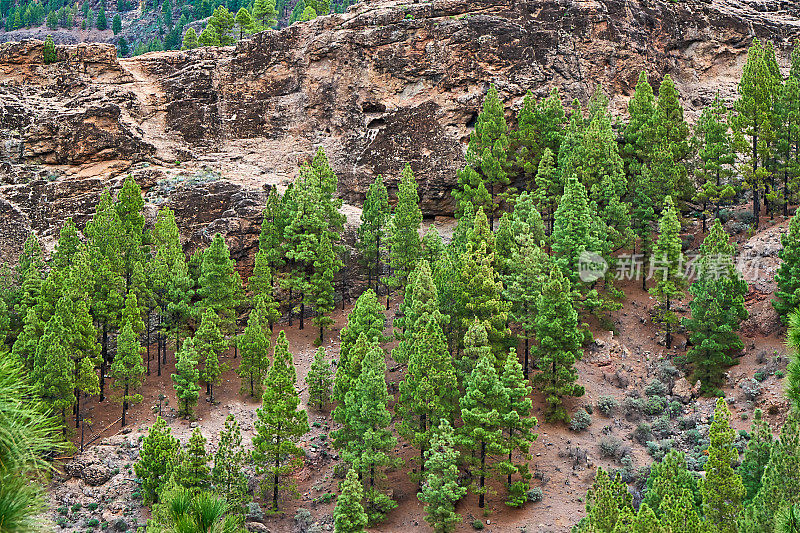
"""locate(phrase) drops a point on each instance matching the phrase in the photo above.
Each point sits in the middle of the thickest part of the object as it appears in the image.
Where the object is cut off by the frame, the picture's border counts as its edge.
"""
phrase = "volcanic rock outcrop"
(384, 84)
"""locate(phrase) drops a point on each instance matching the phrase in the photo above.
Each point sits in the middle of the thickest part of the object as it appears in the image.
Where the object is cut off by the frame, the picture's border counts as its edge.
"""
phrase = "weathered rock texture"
(384, 84)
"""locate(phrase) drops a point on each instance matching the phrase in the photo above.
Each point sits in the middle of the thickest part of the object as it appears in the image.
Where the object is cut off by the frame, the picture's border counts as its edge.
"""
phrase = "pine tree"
(209, 37)
(319, 380)
(220, 287)
(116, 24)
(756, 456)
(254, 348)
(670, 280)
(788, 136)
(606, 500)
(264, 14)
(517, 424)
(528, 270)
(106, 237)
(559, 345)
(483, 182)
(672, 133)
(780, 484)
(270, 241)
(245, 22)
(321, 290)
(157, 459)
(366, 318)
(680, 515)
(540, 128)
(722, 487)
(280, 424)
(193, 472)
(548, 188)
(223, 20)
(670, 478)
(371, 232)
(481, 435)
(365, 440)
(314, 213)
(101, 23)
(788, 275)
(793, 368)
(129, 206)
(190, 40)
(349, 515)
(754, 118)
(49, 52)
(52, 368)
(128, 368)
(441, 490)
(432, 245)
(481, 298)
(80, 340)
(717, 157)
(261, 285)
(68, 245)
(640, 132)
(132, 313)
(420, 304)
(404, 231)
(429, 392)
(24, 348)
(209, 345)
(573, 230)
(186, 377)
(227, 476)
(717, 310)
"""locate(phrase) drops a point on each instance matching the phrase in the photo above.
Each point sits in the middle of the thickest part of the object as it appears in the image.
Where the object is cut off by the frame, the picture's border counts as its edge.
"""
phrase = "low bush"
(607, 405)
(580, 420)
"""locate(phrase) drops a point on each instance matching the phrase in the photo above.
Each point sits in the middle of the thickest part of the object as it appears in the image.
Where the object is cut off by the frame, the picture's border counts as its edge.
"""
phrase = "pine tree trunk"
(527, 355)
(125, 403)
(302, 309)
(158, 351)
(377, 261)
(290, 307)
(275, 485)
(756, 205)
(668, 327)
(481, 498)
(103, 362)
(149, 312)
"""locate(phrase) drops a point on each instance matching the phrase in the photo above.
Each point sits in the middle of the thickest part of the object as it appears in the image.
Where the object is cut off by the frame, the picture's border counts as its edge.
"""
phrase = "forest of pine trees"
(487, 322)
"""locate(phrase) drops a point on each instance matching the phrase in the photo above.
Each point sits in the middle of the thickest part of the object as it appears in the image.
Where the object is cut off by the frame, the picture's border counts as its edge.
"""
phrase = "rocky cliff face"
(384, 84)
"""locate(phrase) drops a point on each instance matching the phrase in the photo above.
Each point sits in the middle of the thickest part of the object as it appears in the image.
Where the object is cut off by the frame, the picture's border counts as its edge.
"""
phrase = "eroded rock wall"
(384, 84)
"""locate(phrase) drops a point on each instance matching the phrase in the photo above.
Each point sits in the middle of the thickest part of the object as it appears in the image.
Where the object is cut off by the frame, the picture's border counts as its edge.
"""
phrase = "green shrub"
(643, 433)
(610, 446)
(661, 427)
(477, 524)
(517, 494)
(633, 408)
(93, 506)
(535, 494)
(655, 405)
(655, 388)
(49, 54)
(93, 522)
(607, 405)
(580, 420)
(761, 375)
